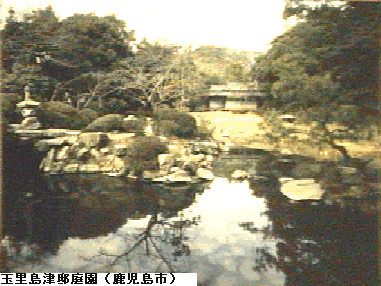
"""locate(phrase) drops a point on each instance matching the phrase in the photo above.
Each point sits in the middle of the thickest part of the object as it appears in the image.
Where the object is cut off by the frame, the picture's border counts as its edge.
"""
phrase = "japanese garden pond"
(243, 232)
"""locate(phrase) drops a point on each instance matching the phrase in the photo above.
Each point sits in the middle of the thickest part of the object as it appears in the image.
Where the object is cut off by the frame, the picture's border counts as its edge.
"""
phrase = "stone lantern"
(28, 109)
(148, 131)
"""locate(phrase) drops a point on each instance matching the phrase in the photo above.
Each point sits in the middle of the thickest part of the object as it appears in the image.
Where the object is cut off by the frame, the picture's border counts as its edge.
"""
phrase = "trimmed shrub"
(204, 129)
(184, 124)
(89, 114)
(142, 153)
(56, 114)
(107, 123)
(8, 108)
(166, 127)
(136, 125)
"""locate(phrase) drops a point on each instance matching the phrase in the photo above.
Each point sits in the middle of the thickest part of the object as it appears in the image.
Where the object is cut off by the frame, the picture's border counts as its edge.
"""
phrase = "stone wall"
(97, 152)
(86, 152)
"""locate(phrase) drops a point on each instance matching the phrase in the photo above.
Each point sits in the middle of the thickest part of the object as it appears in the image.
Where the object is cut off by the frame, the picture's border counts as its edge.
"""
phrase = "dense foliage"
(329, 57)
(218, 65)
(143, 152)
(88, 61)
(116, 122)
(44, 52)
(107, 123)
(56, 114)
(325, 67)
(174, 123)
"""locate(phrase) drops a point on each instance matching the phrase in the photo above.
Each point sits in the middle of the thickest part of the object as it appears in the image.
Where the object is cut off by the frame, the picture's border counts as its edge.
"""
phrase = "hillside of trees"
(94, 64)
(324, 68)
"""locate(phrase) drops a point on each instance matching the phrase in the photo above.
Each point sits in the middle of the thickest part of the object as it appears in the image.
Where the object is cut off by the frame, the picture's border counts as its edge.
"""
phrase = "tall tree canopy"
(93, 42)
(326, 67)
(329, 56)
(219, 65)
(23, 36)
(46, 53)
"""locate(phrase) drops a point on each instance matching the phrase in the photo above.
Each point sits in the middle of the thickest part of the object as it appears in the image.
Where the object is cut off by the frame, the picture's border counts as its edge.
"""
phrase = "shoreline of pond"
(342, 180)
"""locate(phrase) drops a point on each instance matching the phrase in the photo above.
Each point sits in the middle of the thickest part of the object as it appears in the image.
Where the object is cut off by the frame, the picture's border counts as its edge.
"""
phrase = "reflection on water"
(320, 244)
(230, 233)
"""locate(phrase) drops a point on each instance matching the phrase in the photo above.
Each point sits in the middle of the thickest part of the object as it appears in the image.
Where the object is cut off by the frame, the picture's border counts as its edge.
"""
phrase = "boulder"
(71, 168)
(105, 151)
(89, 168)
(121, 138)
(63, 153)
(301, 189)
(178, 176)
(166, 161)
(47, 164)
(117, 164)
(93, 139)
(239, 175)
(204, 174)
(120, 150)
(195, 158)
(107, 164)
(207, 162)
(83, 154)
(206, 147)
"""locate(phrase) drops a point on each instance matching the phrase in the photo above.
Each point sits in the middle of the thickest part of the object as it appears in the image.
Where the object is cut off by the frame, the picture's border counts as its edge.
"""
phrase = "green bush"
(107, 123)
(112, 122)
(143, 151)
(166, 127)
(89, 114)
(147, 148)
(135, 125)
(8, 108)
(204, 129)
(184, 124)
(56, 114)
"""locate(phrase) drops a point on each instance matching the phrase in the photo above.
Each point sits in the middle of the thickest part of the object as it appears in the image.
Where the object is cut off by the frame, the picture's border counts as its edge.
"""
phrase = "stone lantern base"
(30, 123)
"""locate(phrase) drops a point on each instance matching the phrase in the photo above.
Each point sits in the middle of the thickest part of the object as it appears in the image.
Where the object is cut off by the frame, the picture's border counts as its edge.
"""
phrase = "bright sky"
(239, 24)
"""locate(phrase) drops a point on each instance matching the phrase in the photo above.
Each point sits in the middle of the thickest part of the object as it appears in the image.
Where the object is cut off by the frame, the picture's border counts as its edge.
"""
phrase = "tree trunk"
(100, 102)
(341, 149)
(55, 93)
(331, 142)
(89, 100)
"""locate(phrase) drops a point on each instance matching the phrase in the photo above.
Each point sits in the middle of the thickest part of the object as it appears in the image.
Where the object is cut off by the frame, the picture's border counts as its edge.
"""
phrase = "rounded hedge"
(117, 122)
(56, 114)
(142, 153)
(89, 114)
(174, 123)
(166, 127)
(135, 125)
(107, 123)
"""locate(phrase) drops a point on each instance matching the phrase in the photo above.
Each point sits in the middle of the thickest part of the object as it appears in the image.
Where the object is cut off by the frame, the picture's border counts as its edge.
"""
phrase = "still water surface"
(230, 233)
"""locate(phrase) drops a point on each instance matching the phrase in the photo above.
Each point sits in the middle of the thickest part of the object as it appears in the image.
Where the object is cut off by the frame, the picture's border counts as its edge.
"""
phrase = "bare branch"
(161, 255)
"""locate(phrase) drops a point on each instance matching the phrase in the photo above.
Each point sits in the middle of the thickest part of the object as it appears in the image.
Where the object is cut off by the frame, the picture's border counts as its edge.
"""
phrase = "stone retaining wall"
(97, 152)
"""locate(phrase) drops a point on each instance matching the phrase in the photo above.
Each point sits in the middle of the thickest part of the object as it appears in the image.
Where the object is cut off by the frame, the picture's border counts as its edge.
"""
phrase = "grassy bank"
(250, 130)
